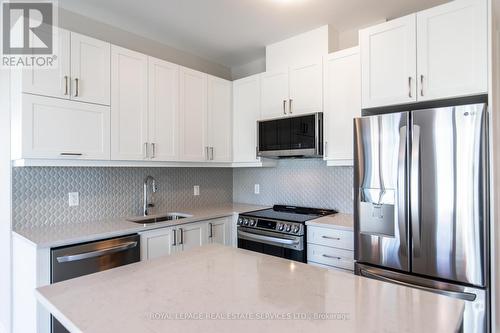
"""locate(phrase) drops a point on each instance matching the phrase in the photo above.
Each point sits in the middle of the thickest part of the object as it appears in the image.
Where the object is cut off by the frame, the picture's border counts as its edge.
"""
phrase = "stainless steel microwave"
(297, 136)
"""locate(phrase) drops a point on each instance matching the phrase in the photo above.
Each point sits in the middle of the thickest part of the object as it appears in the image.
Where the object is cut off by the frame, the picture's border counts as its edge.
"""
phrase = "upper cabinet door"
(274, 94)
(246, 112)
(163, 110)
(51, 82)
(342, 92)
(193, 115)
(388, 63)
(452, 50)
(90, 69)
(306, 88)
(129, 100)
(219, 119)
(55, 128)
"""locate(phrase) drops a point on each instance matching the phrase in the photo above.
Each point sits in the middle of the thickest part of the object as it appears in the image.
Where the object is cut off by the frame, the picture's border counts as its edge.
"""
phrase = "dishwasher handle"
(97, 253)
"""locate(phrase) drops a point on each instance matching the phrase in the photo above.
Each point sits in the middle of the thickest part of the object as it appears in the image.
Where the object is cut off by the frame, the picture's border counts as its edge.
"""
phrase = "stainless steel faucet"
(146, 198)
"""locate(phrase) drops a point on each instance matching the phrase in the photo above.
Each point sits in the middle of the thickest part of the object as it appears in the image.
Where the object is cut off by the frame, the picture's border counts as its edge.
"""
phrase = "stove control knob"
(281, 227)
(252, 223)
(240, 220)
(245, 221)
(288, 228)
(296, 229)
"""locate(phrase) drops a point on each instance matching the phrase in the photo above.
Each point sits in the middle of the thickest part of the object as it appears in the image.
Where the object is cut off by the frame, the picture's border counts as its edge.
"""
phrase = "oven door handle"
(268, 238)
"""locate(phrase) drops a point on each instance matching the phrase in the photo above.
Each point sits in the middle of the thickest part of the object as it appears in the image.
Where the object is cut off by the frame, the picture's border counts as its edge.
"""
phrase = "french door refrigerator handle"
(401, 190)
(415, 189)
(460, 295)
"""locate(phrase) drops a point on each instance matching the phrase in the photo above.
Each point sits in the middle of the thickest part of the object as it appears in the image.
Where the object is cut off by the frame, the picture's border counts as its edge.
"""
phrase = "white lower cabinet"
(53, 128)
(219, 231)
(329, 247)
(166, 241)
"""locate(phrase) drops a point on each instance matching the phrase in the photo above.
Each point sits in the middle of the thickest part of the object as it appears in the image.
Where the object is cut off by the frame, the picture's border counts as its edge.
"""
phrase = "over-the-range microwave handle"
(401, 190)
(415, 189)
(455, 294)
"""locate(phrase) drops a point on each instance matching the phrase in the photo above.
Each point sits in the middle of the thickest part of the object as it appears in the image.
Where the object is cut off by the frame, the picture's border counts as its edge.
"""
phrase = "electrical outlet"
(256, 189)
(196, 190)
(73, 199)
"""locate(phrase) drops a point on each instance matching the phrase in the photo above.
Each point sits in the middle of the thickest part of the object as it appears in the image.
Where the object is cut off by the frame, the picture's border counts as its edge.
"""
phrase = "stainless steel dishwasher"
(76, 260)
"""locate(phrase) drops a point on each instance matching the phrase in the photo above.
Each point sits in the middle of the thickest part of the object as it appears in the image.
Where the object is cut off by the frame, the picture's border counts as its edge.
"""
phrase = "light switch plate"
(73, 199)
(196, 189)
(256, 189)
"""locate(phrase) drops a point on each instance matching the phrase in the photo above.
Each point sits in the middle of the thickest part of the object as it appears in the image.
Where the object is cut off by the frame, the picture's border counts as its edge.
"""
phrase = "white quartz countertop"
(336, 221)
(221, 289)
(66, 234)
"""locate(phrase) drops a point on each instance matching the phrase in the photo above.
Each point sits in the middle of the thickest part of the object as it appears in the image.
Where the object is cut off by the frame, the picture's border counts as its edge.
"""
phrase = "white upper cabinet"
(342, 91)
(434, 54)
(246, 112)
(82, 71)
(129, 100)
(274, 94)
(219, 119)
(292, 91)
(193, 115)
(163, 110)
(388, 60)
(90, 69)
(306, 88)
(452, 50)
(53, 128)
(51, 82)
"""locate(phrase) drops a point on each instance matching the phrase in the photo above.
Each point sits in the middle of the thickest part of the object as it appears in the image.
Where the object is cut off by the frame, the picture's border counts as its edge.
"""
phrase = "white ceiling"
(234, 32)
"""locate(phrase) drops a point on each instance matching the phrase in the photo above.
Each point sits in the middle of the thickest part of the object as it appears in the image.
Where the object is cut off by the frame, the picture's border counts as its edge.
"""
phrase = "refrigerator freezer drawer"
(476, 301)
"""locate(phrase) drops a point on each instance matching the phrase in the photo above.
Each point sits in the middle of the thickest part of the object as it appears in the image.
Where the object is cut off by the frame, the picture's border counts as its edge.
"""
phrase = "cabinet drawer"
(330, 256)
(341, 239)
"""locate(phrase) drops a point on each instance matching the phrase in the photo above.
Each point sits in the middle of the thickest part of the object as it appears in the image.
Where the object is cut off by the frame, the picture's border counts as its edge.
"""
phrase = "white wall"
(5, 204)
(87, 26)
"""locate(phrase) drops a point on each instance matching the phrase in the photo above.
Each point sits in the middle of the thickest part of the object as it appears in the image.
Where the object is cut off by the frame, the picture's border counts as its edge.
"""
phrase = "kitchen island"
(221, 289)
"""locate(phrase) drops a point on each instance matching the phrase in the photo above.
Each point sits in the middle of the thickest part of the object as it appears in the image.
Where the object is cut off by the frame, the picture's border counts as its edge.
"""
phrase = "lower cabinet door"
(218, 231)
(191, 235)
(54, 128)
(157, 243)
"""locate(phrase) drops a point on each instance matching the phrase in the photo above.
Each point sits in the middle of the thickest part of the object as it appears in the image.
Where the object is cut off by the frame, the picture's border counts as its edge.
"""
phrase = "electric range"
(279, 231)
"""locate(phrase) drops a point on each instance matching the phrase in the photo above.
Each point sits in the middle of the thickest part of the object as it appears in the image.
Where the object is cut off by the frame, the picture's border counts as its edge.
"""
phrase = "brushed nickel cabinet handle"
(325, 153)
(181, 242)
(211, 153)
(146, 150)
(153, 150)
(409, 87)
(331, 257)
(175, 238)
(211, 231)
(284, 106)
(66, 89)
(207, 155)
(421, 85)
(332, 238)
(71, 154)
(77, 87)
(290, 106)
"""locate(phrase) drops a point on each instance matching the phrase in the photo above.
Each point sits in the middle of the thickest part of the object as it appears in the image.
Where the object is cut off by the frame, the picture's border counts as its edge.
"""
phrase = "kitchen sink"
(158, 218)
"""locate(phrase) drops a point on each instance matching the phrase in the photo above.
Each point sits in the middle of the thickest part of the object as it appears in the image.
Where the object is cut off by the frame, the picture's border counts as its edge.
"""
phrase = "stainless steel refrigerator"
(421, 203)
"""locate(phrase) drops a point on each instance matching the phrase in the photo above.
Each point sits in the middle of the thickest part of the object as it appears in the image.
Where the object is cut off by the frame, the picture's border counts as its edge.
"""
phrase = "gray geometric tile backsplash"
(40, 195)
(300, 182)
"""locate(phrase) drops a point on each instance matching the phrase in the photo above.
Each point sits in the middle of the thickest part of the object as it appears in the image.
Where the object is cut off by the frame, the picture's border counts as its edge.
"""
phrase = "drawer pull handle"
(328, 237)
(71, 154)
(331, 257)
